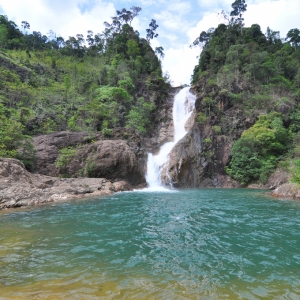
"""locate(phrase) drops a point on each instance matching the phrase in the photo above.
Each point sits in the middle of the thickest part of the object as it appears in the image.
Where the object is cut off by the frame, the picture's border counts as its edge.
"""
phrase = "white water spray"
(183, 106)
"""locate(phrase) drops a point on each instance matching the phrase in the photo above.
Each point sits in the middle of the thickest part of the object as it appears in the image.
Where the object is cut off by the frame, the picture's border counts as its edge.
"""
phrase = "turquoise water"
(190, 244)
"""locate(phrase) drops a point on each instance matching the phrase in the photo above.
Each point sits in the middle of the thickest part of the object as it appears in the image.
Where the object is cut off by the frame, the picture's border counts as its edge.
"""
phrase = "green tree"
(245, 164)
(256, 153)
(293, 36)
(160, 51)
(239, 7)
(139, 116)
(151, 31)
(25, 25)
(3, 36)
(133, 48)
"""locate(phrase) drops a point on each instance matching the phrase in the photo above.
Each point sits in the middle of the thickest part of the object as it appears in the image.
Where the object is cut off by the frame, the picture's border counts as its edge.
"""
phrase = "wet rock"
(186, 166)
(287, 190)
(198, 160)
(121, 186)
(165, 130)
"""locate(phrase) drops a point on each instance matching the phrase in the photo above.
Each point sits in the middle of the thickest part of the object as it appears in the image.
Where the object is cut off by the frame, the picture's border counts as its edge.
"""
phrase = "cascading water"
(184, 103)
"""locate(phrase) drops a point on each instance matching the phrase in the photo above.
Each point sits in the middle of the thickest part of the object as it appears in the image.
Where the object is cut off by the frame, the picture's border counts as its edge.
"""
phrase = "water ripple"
(195, 244)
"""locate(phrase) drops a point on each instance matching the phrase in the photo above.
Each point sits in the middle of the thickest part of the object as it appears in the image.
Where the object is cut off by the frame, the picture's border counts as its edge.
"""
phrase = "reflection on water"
(193, 244)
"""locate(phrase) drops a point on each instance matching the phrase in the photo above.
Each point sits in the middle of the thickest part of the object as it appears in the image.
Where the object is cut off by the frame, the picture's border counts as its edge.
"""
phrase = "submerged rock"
(19, 188)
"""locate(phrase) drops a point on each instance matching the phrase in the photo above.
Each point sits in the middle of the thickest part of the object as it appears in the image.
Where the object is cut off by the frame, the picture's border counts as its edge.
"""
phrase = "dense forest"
(257, 76)
(93, 83)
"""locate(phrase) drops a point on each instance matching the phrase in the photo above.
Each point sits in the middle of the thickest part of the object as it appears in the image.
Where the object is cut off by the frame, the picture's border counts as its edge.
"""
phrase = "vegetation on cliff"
(93, 83)
(256, 77)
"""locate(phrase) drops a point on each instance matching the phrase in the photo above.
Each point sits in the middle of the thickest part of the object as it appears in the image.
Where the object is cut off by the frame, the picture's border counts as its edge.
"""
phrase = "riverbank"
(18, 187)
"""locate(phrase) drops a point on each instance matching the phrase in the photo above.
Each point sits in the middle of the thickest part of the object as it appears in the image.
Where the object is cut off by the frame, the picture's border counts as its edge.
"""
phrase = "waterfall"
(183, 106)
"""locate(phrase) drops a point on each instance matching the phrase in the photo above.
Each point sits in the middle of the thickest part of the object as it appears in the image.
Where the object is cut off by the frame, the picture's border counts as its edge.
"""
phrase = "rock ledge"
(19, 188)
(287, 190)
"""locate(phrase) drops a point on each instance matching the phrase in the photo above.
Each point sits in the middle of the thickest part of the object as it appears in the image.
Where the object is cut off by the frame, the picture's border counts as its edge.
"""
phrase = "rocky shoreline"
(287, 190)
(18, 187)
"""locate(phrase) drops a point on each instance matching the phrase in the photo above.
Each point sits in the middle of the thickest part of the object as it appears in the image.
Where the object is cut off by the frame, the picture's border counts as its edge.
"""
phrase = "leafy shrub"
(296, 172)
(207, 141)
(139, 116)
(13, 143)
(217, 129)
(90, 168)
(201, 118)
(255, 154)
(65, 156)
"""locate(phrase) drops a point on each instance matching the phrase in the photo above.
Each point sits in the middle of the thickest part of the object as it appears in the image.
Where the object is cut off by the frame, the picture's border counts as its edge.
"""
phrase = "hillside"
(99, 83)
(248, 90)
(94, 106)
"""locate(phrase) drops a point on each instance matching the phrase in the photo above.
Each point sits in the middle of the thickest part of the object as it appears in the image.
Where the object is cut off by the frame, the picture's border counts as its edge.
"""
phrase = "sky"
(180, 22)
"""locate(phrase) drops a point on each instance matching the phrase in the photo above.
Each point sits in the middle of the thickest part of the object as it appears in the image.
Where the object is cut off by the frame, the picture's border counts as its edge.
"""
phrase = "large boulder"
(287, 190)
(92, 156)
(112, 159)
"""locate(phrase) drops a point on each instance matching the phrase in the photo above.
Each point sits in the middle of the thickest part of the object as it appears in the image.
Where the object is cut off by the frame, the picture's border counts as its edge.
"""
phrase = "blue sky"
(180, 21)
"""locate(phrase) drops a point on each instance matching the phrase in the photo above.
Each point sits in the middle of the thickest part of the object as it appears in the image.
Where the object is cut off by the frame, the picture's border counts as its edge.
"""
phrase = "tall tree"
(203, 38)
(239, 7)
(25, 25)
(151, 31)
(160, 51)
(90, 38)
(135, 11)
(293, 36)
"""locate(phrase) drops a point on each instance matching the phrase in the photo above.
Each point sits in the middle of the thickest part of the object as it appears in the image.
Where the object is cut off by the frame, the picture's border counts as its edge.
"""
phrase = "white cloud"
(172, 21)
(63, 17)
(280, 15)
(182, 8)
(148, 2)
(208, 21)
(180, 62)
(214, 3)
(171, 37)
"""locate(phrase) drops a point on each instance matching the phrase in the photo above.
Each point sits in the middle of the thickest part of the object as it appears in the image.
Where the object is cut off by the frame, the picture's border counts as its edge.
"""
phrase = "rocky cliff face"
(164, 132)
(47, 148)
(199, 159)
